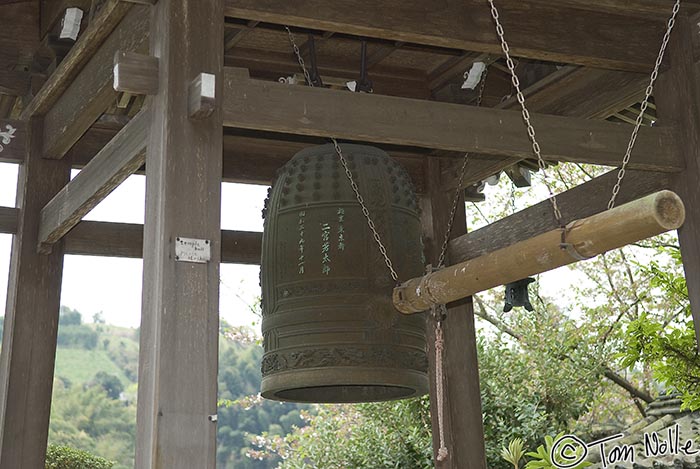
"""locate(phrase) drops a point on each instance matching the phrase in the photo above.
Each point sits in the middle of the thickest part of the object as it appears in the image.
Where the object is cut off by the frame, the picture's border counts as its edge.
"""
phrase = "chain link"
(526, 114)
(348, 173)
(645, 104)
(458, 191)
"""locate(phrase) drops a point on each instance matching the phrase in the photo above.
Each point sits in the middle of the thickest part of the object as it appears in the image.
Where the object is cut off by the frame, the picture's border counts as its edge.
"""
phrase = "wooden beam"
(135, 73)
(677, 97)
(89, 42)
(257, 105)
(8, 220)
(586, 37)
(464, 434)
(580, 202)
(178, 357)
(119, 159)
(91, 92)
(90, 238)
(202, 96)
(31, 318)
(106, 239)
(589, 237)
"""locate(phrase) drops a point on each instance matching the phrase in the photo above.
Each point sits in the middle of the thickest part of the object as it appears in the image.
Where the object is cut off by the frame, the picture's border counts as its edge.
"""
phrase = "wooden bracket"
(135, 73)
(202, 100)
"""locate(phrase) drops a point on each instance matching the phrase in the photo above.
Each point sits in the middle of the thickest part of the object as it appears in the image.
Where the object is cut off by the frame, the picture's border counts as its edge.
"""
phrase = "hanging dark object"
(517, 295)
(330, 330)
(313, 64)
(364, 85)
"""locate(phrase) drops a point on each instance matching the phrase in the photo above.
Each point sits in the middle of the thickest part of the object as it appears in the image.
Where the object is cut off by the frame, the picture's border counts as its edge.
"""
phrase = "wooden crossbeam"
(535, 28)
(91, 91)
(119, 159)
(106, 239)
(580, 202)
(110, 15)
(257, 105)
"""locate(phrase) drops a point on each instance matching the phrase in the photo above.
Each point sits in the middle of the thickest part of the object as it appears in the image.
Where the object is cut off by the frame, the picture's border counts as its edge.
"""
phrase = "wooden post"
(463, 424)
(31, 316)
(678, 103)
(179, 327)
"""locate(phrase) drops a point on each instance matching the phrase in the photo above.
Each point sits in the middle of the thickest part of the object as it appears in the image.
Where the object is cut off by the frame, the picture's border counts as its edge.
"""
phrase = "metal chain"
(348, 173)
(645, 104)
(458, 191)
(526, 114)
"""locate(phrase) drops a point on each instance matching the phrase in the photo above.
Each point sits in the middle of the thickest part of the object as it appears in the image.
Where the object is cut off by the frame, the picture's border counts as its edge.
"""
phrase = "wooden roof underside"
(579, 58)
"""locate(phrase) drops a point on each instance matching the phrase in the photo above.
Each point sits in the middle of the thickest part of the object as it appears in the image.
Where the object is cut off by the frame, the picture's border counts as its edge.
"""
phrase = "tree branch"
(606, 371)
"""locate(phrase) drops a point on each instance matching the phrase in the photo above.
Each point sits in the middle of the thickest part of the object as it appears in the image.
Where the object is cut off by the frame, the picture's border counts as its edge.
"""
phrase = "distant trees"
(242, 413)
(98, 414)
(110, 383)
(69, 317)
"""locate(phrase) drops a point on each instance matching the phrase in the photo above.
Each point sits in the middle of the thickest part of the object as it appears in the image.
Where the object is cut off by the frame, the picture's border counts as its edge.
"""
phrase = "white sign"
(192, 250)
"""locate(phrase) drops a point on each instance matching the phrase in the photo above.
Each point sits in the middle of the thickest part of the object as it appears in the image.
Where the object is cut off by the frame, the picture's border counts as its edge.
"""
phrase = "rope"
(439, 385)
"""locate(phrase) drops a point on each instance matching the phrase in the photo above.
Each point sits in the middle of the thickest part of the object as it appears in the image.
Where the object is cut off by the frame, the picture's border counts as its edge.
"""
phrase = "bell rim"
(274, 386)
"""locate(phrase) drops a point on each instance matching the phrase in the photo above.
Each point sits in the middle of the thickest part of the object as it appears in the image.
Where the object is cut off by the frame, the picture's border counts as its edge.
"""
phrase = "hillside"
(95, 387)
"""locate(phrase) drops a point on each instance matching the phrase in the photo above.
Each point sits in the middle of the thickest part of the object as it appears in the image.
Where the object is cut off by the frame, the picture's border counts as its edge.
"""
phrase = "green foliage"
(543, 455)
(672, 354)
(514, 452)
(64, 457)
(529, 393)
(669, 348)
(379, 436)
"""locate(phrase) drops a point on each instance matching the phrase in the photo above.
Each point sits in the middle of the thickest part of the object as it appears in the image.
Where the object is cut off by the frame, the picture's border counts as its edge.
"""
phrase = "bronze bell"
(330, 330)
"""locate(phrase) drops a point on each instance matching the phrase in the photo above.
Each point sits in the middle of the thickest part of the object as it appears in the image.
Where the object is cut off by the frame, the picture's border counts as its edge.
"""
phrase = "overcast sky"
(112, 286)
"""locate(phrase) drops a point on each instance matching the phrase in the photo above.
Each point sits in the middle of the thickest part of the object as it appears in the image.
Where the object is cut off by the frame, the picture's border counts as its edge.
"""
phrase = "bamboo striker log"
(643, 218)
